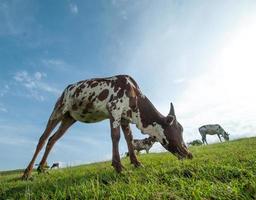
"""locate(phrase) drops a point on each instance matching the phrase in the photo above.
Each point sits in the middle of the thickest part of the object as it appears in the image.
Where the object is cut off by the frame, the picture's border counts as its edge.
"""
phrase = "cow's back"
(210, 129)
(87, 100)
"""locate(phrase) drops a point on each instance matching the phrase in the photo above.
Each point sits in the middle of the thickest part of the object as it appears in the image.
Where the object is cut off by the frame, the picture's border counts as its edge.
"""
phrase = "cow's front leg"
(219, 137)
(115, 114)
(204, 139)
(128, 137)
(115, 135)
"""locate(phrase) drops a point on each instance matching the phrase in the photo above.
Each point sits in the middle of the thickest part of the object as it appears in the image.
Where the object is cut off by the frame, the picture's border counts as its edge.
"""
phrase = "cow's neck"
(148, 119)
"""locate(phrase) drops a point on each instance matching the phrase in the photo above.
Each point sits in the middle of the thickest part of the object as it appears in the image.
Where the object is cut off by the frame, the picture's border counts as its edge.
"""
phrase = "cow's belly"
(90, 116)
(210, 132)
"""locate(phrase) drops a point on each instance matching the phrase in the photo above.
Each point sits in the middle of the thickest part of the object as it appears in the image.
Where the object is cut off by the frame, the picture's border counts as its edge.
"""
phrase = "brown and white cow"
(120, 100)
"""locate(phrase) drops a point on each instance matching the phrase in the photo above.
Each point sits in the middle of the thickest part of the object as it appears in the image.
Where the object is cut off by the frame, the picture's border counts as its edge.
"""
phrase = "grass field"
(218, 171)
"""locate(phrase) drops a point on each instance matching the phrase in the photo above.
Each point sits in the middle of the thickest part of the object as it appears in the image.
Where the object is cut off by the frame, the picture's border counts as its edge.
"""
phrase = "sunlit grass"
(218, 171)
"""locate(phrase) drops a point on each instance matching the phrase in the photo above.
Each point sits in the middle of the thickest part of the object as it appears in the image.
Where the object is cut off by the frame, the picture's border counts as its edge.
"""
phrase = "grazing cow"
(46, 166)
(120, 100)
(195, 143)
(213, 129)
(144, 144)
(55, 165)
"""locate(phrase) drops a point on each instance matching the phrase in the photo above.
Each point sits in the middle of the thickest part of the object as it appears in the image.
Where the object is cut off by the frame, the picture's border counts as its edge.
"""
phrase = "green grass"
(218, 171)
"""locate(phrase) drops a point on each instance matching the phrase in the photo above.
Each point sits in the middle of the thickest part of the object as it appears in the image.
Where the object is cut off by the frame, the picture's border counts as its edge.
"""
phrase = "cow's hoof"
(141, 165)
(137, 164)
(190, 156)
(41, 169)
(118, 166)
(25, 177)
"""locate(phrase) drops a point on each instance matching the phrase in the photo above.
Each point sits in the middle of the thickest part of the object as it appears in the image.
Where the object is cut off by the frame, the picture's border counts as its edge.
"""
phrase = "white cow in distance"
(213, 129)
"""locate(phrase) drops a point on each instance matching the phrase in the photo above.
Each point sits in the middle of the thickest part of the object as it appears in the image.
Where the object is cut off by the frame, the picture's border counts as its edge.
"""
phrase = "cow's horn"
(172, 113)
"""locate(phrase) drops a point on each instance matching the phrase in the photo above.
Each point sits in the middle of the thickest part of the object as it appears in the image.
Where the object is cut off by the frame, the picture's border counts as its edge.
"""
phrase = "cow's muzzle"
(181, 152)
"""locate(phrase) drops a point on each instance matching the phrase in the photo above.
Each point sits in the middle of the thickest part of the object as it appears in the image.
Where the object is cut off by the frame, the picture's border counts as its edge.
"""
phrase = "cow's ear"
(169, 119)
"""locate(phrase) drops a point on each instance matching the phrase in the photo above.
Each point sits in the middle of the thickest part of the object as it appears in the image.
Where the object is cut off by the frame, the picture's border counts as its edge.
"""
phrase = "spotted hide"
(120, 100)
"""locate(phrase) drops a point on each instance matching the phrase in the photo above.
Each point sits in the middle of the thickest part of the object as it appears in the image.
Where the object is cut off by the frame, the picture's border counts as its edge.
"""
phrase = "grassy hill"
(218, 171)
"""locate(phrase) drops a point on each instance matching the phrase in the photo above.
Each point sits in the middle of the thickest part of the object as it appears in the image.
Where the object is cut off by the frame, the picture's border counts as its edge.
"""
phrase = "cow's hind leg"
(66, 122)
(52, 123)
(128, 137)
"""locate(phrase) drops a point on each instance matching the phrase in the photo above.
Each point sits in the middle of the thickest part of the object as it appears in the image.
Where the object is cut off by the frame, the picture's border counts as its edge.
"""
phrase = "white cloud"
(35, 85)
(2, 108)
(157, 147)
(55, 62)
(224, 93)
(4, 90)
(210, 75)
(73, 8)
(38, 75)
(179, 81)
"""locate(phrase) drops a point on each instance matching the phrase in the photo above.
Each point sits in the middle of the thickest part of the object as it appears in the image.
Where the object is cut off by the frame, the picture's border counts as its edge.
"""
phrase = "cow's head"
(226, 136)
(173, 132)
(151, 140)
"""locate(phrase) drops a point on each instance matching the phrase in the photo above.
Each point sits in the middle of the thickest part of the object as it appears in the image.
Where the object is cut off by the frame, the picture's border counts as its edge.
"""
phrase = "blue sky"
(197, 54)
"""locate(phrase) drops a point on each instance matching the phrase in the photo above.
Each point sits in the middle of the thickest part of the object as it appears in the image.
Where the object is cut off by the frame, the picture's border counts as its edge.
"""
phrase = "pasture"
(218, 171)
